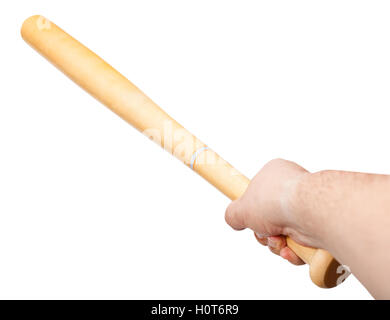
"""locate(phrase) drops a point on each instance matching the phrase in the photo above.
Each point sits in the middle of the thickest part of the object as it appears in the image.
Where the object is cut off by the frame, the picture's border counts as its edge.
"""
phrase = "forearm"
(348, 214)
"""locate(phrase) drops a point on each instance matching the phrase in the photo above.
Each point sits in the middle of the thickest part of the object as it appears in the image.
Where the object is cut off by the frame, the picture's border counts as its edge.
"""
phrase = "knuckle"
(276, 162)
(234, 216)
(231, 215)
(228, 213)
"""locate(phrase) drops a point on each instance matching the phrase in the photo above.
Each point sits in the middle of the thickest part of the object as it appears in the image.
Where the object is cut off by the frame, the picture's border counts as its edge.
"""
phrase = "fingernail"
(272, 243)
(261, 236)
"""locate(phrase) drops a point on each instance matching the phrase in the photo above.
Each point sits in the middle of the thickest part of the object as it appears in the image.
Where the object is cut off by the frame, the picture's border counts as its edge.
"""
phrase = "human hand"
(269, 208)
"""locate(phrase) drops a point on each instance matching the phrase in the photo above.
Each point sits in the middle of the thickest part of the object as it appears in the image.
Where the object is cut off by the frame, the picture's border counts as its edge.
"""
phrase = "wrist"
(306, 211)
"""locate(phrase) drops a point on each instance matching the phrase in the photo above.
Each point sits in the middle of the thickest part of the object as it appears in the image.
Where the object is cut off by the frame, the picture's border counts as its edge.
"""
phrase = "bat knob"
(326, 271)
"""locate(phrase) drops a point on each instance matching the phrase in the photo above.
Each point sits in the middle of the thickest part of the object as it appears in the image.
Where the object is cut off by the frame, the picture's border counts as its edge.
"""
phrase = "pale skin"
(346, 213)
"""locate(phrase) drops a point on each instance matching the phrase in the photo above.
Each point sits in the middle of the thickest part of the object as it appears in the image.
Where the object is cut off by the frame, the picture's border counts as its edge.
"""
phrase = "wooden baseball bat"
(112, 89)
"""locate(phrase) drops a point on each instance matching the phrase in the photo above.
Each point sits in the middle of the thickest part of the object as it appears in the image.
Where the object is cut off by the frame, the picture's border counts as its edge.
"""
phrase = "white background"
(90, 209)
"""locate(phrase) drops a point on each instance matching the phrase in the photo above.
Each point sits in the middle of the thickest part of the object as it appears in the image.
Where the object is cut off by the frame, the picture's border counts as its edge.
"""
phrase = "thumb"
(235, 215)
